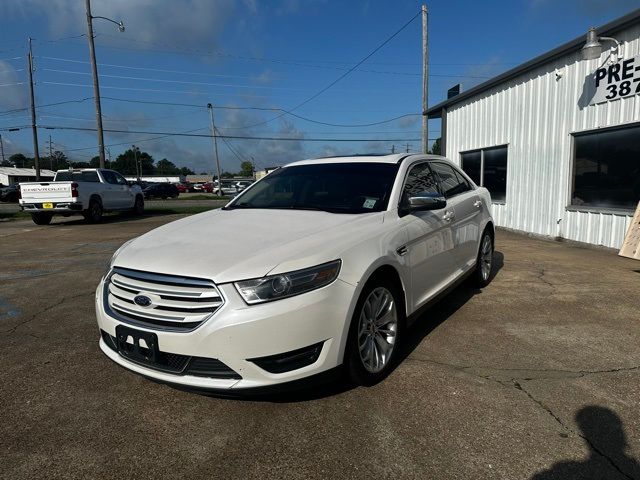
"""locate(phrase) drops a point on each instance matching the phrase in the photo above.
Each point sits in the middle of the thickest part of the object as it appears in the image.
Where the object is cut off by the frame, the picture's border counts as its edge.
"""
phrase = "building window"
(606, 168)
(488, 168)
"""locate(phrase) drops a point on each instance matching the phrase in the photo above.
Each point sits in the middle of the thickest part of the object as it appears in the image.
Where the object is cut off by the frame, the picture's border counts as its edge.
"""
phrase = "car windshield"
(332, 187)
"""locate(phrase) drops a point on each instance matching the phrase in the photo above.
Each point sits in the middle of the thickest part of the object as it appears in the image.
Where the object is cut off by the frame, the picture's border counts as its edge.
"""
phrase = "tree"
(165, 167)
(58, 161)
(184, 171)
(435, 148)
(19, 160)
(125, 163)
(246, 169)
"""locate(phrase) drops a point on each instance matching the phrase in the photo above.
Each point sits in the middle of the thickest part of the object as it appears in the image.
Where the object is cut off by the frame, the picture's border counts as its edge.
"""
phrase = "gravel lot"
(536, 376)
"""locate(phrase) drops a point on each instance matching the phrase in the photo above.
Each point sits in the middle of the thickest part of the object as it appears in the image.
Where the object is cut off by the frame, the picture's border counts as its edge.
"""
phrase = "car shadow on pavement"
(602, 430)
(428, 320)
(434, 314)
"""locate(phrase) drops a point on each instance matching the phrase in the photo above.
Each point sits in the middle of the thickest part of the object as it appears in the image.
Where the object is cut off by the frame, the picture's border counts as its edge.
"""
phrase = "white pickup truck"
(88, 191)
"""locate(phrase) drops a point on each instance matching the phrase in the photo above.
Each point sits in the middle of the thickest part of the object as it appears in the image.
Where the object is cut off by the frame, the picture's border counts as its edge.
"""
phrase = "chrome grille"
(177, 303)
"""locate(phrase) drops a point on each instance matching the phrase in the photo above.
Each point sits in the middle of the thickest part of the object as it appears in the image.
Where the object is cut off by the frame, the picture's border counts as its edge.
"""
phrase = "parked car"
(342, 252)
(89, 191)
(10, 193)
(183, 187)
(243, 185)
(161, 190)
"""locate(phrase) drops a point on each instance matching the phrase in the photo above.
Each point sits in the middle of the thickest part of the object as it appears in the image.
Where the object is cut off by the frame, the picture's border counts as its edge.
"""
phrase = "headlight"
(285, 285)
(114, 256)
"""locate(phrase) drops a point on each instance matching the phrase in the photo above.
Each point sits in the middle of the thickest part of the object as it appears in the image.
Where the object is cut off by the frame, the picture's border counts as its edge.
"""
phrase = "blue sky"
(264, 54)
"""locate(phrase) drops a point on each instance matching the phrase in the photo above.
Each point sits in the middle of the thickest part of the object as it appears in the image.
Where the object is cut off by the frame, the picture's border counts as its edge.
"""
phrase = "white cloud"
(172, 24)
(11, 95)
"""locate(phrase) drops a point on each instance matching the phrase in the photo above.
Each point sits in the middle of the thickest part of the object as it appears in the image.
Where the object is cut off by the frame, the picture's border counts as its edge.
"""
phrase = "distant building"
(156, 178)
(10, 175)
(263, 173)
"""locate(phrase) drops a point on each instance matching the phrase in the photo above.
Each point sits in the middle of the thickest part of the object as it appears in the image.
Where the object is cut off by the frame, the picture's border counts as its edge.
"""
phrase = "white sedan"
(341, 252)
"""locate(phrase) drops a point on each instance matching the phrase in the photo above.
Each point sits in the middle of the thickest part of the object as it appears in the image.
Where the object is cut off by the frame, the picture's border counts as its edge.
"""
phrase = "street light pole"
(425, 80)
(96, 86)
(94, 71)
(215, 147)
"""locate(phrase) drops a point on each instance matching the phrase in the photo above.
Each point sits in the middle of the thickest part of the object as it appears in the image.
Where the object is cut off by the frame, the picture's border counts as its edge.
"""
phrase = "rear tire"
(94, 213)
(484, 261)
(41, 218)
(138, 207)
(375, 333)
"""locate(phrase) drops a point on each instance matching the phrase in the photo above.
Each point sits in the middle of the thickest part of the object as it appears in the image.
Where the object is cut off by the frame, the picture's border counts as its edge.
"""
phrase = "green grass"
(14, 215)
(173, 210)
(202, 197)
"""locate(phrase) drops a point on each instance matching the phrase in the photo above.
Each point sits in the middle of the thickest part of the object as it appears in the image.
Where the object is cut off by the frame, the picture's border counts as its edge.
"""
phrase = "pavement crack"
(522, 374)
(591, 445)
(44, 310)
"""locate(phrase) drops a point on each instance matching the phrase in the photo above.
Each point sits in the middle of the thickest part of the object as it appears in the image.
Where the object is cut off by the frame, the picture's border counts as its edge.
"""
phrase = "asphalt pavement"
(535, 376)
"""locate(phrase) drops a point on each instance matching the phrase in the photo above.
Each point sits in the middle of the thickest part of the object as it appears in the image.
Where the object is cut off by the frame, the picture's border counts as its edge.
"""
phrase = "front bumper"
(239, 335)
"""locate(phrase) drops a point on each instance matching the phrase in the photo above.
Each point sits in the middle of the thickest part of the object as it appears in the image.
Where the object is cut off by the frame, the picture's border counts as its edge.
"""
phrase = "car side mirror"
(421, 203)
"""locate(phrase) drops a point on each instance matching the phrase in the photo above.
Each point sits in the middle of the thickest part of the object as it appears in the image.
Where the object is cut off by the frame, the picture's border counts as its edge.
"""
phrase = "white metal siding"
(535, 114)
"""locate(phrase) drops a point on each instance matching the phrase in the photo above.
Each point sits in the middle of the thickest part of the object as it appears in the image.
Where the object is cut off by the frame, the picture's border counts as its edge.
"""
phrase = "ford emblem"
(142, 300)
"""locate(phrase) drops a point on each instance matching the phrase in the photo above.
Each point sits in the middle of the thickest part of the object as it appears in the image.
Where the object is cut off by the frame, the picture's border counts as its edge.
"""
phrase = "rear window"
(77, 177)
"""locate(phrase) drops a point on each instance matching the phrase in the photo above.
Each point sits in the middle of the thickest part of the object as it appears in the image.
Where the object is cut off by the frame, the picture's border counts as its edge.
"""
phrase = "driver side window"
(420, 182)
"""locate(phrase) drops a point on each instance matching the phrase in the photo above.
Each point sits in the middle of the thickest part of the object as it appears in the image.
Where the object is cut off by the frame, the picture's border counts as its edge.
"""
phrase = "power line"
(321, 91)
(148, 89)
(149, 69)
(8, 112)
(266, 109)
(236, 137)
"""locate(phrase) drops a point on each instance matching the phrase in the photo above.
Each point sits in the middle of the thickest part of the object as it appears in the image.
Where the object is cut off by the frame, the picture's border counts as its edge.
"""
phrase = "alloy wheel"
(486, 257)
(377, 329)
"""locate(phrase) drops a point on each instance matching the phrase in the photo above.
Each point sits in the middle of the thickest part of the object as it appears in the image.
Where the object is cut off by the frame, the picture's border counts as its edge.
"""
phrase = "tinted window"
(65, 176)
(495, 172)
(120, 180)
(109, 177)
(334, 187)
(471, 165)
(488, 168)
(606, 169)
(420, 182)
(450, 183)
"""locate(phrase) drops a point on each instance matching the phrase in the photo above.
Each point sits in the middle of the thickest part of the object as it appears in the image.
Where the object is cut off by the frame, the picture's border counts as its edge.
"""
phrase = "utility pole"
(425, 80)
(215, 147)
(393, 149)
(109, 156)
(96, 86)
(50, 154)
(407, 148)
(34, 128)
(2, 148)
(135, 157)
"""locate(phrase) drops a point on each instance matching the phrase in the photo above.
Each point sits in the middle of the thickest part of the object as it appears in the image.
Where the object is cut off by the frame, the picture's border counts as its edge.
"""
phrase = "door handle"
(448, 216)
(477, 203)
(402, 250)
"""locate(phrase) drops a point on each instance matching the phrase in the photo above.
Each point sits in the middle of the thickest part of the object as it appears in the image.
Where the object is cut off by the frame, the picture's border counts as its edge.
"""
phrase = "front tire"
(375, 333)
(41, 218)
(484, 262)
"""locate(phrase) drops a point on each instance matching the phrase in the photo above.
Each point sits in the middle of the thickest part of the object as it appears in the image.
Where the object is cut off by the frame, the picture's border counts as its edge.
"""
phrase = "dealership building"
(556, 140)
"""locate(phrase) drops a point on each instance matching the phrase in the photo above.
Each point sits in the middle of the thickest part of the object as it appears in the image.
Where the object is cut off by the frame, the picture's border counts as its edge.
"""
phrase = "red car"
(183, 187)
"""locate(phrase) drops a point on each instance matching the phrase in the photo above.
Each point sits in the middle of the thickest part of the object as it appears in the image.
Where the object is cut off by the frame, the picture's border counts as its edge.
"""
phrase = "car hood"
(231, 245)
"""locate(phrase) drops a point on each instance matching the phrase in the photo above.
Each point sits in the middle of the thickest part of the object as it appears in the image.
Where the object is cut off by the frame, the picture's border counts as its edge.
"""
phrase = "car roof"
(394, 158)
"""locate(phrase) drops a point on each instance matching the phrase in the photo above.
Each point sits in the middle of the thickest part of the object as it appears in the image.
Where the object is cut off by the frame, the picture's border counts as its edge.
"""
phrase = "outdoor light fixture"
(593, 48)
